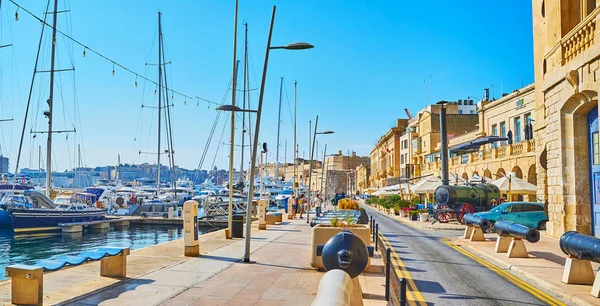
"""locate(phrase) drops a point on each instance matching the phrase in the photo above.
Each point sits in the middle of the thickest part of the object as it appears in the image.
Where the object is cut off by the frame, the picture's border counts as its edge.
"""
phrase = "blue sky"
(371, 60)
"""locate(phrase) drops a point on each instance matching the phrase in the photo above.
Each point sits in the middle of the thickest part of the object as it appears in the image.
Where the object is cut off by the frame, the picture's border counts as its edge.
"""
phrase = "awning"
(474, 145)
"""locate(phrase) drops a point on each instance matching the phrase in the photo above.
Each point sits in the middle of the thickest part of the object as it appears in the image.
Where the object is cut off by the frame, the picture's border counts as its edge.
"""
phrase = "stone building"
(385, 157)
(338, 164)
(362, 174)
(567, 81)
(426, 125)
(512, 113)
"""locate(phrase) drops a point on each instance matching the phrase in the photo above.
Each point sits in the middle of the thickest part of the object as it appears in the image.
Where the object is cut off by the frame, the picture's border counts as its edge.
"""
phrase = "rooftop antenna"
(430, 90)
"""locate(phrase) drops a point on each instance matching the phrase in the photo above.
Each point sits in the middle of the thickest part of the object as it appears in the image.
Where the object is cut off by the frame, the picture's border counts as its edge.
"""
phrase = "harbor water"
(29, 248)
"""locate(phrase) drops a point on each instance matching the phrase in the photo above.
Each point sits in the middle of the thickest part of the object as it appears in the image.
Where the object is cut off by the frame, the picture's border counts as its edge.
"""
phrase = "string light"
(100, 54)
(155, 92)
(136, 85)
(184, 102)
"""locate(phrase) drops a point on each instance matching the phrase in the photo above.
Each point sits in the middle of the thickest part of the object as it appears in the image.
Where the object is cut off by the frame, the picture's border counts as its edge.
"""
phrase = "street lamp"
(312, 152)
(231, 108)
(444, 143)
(296, 46)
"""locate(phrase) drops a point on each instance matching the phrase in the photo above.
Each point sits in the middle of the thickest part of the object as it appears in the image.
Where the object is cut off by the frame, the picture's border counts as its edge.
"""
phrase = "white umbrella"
(426, 185)
(514, 185)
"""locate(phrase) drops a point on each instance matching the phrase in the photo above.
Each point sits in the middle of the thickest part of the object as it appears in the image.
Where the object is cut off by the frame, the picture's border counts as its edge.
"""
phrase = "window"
(517, 129)
(402, 159)
(495, 133)
(596, 149)
(532, 207)
(472, 112)
(460, 112)
(515, 208)
(503, 131)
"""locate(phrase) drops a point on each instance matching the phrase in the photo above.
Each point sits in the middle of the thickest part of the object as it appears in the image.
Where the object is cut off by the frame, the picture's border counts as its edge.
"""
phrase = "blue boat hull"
(5, 219)
(31, 218)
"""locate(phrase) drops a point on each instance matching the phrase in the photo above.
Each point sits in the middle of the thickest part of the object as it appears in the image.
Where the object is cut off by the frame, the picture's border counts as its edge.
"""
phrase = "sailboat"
(34, 209)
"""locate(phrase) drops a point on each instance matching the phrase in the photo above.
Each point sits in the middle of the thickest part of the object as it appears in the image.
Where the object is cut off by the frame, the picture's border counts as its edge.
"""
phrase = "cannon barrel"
(345, 252)
(508, 228)
(581, 246)
(471, 219)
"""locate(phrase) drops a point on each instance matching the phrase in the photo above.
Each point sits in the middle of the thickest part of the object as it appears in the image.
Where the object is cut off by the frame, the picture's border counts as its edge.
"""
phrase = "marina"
(27, 249)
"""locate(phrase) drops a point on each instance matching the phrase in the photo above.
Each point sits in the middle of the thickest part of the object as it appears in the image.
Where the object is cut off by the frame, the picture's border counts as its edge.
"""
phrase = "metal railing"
(395, 285)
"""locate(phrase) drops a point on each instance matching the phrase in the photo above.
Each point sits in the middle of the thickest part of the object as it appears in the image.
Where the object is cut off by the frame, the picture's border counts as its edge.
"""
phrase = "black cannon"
(581, 246)
(456, 201)
(471, 219)
(346, 252)
(515, 230)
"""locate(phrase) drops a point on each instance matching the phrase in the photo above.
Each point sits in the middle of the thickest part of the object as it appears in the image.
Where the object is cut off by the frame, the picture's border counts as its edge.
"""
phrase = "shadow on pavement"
(549, 256)
(472, 297)
(429, 286)
(110, 292)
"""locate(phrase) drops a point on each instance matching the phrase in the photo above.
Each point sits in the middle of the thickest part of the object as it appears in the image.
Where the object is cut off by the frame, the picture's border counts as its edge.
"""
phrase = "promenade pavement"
(281, 274)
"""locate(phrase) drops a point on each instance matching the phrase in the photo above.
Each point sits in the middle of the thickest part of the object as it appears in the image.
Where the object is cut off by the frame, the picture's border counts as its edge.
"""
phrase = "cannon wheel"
(444, 216)
(464, 209)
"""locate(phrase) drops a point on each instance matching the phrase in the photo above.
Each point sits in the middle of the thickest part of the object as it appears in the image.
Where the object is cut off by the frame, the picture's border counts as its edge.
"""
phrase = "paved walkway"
(162, 275)
(544, 267)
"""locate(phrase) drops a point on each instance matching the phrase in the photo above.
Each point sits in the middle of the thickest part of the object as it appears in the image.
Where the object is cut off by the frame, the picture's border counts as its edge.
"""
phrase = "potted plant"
(397, 209)
(413, 215)
(424, 215)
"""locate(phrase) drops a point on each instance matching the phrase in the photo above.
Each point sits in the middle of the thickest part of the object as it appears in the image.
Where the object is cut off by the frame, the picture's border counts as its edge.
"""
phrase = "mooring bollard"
(403, 300)
(371, 222)
(376, 236)
(388, 264)
(373, 230)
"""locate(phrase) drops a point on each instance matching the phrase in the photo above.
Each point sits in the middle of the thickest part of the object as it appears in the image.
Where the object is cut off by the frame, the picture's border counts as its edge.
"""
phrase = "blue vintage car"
(526, 213)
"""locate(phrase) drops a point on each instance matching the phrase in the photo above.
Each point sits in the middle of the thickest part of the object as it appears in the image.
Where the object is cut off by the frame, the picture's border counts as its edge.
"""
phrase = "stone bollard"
(190, 228)
(262, 214)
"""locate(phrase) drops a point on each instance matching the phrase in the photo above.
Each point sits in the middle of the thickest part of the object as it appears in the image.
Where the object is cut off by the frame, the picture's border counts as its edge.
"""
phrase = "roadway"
(445, 276)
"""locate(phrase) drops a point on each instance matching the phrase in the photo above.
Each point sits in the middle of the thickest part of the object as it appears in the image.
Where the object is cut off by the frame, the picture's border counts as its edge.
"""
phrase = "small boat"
(33, 210)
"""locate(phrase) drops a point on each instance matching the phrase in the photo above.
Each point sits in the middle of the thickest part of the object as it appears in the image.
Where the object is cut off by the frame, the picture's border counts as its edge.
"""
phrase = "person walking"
(293, 205)
(301, 205)
(317, 203)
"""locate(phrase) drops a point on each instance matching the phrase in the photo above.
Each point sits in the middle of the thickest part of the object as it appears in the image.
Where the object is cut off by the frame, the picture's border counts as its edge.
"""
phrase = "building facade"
(362, 174)
(567, 81)
(385, 157)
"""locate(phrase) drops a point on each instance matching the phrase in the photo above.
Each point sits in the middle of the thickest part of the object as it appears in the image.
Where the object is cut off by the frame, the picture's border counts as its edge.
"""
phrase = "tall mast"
(244, 98)
(295, 144)
(118, 168)
(79, 163)
(233, 92)
(171, 153)
(278, 131)
(50, 102)
(159, 103)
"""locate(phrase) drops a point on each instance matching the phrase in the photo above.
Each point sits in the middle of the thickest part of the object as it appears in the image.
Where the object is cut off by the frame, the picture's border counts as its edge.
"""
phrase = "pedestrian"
(294, 205)
(318, 202)
(301, 205)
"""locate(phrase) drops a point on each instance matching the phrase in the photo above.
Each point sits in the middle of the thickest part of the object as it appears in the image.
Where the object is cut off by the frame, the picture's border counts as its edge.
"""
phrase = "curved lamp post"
(312, 152)
(294, 46)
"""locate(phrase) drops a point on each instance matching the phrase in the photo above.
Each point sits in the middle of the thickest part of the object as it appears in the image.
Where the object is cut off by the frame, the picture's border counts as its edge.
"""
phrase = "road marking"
(412, 293)
(508, 276)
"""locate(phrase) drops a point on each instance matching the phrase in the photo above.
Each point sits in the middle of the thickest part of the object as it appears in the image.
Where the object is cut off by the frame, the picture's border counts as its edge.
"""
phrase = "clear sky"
(371, 60)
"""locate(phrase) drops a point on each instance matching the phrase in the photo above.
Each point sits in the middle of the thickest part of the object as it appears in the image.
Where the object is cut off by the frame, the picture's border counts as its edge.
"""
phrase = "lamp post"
(231, 108)
(444, 143)
(294, 46)
(310, 165)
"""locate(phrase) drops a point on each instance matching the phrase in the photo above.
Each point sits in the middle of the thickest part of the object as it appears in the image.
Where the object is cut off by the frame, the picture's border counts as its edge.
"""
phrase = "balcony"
(579, 38)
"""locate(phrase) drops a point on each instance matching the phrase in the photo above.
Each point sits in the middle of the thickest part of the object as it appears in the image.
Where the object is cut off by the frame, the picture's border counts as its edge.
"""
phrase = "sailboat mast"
(278, 131)
(169, 128)
(244, 99)
(50, 102)
(159, 103)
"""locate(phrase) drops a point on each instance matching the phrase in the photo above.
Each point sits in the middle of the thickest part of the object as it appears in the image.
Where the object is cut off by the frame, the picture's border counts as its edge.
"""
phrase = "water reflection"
(28, 249)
